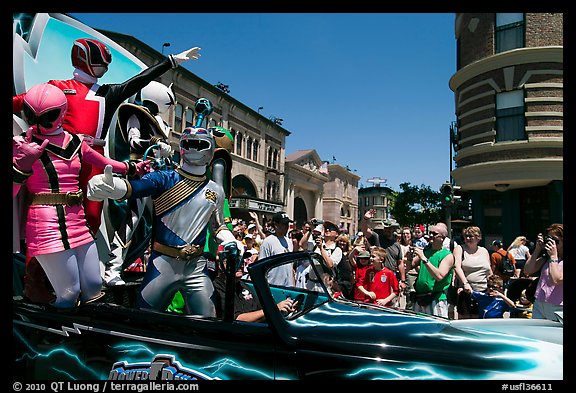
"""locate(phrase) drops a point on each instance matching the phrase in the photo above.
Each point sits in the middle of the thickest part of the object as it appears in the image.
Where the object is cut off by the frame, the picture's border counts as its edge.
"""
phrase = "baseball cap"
(330, 226)
(497, 243)
(318, 228)
(281, 217)
(248, 236)
(251, 226)
(363, 254)
(390, 224)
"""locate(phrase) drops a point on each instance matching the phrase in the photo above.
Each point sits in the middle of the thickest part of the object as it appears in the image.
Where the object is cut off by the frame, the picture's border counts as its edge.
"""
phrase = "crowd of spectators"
(407, 267)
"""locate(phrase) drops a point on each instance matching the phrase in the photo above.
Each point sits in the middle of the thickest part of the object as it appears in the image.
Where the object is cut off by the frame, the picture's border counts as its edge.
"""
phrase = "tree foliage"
(417, 205)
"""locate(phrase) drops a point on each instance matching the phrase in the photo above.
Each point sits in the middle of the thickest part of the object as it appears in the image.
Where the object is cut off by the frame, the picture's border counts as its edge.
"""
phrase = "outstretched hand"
(27, 152)
(101, 187)
(190, 54)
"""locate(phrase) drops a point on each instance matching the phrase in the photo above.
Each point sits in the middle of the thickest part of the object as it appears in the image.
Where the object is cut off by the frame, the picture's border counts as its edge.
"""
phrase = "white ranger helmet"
(157, 97)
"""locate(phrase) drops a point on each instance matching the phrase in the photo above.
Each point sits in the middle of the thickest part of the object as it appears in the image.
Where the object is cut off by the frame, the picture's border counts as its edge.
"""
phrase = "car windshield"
(305, 279)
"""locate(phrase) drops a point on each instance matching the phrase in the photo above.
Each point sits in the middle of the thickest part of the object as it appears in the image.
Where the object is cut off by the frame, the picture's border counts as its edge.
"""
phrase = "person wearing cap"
(256, 230)
(435, 267)
(250, 254)
(279, 243)
(419, 240)
(327, 247)
(363, 267)
(496, 258)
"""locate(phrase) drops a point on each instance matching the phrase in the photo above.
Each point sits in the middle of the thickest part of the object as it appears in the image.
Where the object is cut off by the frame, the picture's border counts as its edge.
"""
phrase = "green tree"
(417, 205)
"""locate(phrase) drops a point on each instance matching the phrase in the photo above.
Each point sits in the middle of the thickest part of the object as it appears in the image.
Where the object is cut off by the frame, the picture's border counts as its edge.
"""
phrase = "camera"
(544, 253)
(548, 238)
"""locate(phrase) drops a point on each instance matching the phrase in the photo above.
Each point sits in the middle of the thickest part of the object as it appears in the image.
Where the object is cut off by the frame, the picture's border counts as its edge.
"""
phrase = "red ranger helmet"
(91, 56)
(45, 107)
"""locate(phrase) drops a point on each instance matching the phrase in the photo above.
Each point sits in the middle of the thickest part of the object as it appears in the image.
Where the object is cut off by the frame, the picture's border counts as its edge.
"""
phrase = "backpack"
(506, 266)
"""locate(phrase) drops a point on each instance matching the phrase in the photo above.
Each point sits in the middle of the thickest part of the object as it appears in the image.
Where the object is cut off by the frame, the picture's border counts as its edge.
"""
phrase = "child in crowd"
(493, 303)
(523, 307)
(382, 282)
(363, 266)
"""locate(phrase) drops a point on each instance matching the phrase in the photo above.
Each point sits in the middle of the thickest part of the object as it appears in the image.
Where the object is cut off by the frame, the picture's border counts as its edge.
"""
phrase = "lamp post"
(165, 45)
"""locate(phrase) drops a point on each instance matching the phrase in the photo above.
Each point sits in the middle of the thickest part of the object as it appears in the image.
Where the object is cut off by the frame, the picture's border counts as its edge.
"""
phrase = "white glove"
(101, 187)
(165, 149)
(186, 55)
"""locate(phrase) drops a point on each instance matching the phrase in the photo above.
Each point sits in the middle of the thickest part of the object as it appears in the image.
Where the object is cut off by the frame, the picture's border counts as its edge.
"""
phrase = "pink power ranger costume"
(48, 160)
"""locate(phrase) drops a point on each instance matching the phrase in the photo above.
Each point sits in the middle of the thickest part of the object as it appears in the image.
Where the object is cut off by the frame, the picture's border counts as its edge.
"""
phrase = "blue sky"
(370, 90)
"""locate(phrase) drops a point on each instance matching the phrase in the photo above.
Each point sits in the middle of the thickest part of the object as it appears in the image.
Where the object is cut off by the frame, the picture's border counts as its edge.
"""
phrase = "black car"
(325, 338)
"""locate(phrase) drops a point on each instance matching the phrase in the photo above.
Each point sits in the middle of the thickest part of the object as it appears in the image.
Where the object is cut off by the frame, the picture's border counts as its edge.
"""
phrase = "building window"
(178, 118)
(255, 150)
(249, 148)
(510, 116)
(189, 117)
(509, 31)
(275, 159)
(239, 144)
(270, 157)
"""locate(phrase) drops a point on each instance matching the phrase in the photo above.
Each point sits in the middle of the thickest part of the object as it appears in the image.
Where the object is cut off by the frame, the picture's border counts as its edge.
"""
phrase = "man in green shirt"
(435, 268)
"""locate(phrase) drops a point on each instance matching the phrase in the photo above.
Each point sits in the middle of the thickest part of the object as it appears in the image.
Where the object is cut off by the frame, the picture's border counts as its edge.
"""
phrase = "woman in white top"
(472, 266)
(520, 252)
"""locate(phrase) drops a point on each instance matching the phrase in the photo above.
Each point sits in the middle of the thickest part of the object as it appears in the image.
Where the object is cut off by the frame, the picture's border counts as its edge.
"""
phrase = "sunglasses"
(432, 233)
(469, 236)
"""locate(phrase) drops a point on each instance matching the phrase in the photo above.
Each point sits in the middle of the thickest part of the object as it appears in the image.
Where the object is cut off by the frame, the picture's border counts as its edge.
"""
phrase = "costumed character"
(47, 160)
(143, 130)
(186, 203)
(219, 170)
(91, 108)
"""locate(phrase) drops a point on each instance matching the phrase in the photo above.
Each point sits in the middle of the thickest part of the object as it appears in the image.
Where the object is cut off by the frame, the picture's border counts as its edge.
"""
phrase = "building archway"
(242, 186)
(300, 212)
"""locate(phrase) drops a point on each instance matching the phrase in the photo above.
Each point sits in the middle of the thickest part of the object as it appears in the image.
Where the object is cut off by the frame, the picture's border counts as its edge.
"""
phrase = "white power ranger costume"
(185, 203)
(142, 126)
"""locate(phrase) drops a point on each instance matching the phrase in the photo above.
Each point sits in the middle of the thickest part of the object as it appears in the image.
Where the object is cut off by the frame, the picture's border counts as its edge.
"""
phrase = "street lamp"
(165, 45)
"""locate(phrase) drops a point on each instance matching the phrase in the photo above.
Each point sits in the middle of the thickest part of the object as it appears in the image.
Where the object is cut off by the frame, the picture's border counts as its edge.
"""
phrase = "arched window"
(178, 118)
(255, 150)
(239, 144)
(274, 191)
(189, 117)
(269, 156)
(249, 148)
(275, 159)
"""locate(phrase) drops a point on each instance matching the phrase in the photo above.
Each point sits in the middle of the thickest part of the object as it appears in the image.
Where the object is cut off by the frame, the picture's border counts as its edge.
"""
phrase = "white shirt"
(274, 245)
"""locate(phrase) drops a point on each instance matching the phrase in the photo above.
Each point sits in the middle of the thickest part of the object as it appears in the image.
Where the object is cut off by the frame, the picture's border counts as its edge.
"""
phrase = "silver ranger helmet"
(196, 146)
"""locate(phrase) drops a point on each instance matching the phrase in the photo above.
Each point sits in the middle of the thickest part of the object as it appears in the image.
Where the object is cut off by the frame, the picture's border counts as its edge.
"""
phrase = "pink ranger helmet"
(45, 107)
